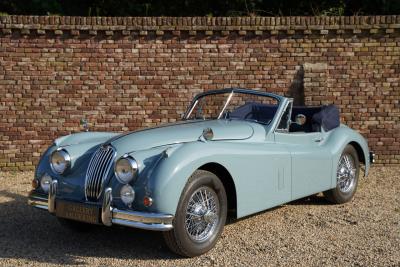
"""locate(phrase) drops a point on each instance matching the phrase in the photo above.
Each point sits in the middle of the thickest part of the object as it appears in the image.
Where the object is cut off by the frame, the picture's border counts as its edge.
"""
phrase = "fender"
(338, 139)
(171, 174)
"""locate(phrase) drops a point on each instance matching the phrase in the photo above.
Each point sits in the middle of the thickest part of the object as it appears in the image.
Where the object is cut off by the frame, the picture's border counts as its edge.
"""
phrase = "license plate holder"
(78, 211)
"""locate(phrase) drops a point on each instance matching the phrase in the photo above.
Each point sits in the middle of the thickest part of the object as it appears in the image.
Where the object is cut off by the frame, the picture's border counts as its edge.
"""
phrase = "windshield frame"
(231, 92)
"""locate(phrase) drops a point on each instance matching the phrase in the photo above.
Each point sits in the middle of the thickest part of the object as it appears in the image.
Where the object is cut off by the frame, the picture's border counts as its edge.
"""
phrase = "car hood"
(83, 138)
(180, 132)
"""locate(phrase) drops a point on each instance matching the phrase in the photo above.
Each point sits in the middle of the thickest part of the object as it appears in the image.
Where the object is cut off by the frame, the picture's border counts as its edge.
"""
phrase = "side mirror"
(300, 119)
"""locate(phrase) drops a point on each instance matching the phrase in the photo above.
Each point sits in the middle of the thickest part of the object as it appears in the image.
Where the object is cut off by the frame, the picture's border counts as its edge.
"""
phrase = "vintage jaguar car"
(235, 152)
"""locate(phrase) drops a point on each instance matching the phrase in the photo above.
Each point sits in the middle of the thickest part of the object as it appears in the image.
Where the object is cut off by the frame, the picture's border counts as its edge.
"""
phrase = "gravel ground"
(365, 232)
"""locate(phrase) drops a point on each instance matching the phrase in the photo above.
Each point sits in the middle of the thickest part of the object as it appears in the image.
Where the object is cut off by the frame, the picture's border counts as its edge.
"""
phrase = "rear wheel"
(347, 174)
(200, 216)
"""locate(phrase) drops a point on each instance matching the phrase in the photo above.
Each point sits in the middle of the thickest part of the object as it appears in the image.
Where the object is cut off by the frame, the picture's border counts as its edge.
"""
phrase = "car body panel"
(268, 167)
(180, 133)
(311, 162)
(268, 185)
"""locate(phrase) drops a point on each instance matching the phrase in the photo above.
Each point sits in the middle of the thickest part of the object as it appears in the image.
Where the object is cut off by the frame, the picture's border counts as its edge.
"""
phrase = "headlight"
(127, 194)
(60, 161)
(126, 169)
(45, 182)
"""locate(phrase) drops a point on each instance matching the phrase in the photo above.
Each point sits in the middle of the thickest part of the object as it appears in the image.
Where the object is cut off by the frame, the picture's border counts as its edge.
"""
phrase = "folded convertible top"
(328, 117)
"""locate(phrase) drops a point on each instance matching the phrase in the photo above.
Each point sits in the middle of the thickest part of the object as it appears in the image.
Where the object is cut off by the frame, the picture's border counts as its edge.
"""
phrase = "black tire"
(338, 195)
(179, 240)
(75, 226)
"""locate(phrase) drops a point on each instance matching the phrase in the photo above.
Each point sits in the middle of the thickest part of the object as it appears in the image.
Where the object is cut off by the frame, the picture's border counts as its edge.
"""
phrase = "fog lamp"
(127, 194)
(45, 182)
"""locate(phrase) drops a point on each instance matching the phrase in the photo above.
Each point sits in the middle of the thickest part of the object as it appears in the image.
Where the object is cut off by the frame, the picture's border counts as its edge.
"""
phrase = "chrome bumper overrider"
(109, 214)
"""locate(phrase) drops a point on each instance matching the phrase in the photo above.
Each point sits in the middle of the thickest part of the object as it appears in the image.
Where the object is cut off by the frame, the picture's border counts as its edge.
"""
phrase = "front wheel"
(347, 173)
(200, 216)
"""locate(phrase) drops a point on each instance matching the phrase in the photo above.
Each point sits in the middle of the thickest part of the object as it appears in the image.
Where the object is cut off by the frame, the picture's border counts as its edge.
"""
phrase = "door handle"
(318, 139)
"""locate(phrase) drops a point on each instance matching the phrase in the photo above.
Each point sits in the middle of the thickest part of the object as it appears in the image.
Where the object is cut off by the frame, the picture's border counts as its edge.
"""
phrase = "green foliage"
(200, 8)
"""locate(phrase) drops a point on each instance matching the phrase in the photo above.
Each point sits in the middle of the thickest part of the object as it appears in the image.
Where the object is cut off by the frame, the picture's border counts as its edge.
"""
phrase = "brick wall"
(126, 73)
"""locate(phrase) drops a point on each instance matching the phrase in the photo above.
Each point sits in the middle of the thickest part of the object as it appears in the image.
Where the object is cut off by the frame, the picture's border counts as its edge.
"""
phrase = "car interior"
(326, 117)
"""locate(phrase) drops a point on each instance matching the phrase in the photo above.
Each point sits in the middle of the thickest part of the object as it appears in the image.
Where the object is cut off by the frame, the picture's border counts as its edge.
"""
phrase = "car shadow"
(32, 234)
(35, 235)
(312, 200)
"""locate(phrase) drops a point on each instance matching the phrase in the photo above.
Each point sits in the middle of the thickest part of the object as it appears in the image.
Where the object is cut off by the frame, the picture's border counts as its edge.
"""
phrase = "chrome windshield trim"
(191, 110)
(226, 104)
(194, 102)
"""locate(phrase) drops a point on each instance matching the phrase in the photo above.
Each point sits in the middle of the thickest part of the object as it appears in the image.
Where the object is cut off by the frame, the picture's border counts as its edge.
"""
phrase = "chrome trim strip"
(226, 104)
(145, 226)
(37, 201)
(185, 116)
(142, 217)
(276, 129)
(52, 196)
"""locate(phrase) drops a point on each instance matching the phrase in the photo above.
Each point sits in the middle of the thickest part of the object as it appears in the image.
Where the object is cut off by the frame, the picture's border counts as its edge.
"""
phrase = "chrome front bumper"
(109, 214)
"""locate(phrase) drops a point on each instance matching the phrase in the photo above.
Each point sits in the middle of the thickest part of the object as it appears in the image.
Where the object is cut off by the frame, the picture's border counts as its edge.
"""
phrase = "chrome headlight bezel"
(65, 156)
(130, 170)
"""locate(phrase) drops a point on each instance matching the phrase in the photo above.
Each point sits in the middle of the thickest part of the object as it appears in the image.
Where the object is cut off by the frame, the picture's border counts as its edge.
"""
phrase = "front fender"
(170, 175)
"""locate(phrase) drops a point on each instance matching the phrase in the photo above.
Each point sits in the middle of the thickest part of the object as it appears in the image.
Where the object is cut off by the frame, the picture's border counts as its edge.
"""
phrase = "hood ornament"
(84, 124)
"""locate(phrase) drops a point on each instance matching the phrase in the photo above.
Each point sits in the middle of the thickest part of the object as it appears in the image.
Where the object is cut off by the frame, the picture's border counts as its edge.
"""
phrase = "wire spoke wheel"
(200, 217)
(346, 173)
(202, 214)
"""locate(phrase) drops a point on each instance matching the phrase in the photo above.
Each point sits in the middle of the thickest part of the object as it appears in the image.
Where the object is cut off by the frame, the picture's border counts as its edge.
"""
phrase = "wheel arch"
(360, 152)
(226, 178)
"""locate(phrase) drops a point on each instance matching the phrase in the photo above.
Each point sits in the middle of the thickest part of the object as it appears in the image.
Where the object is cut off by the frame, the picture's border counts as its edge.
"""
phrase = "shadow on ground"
(31, 234)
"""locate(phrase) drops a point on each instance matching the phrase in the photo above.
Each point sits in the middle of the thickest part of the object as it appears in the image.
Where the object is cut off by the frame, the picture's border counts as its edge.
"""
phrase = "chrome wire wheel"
(202, 214)
(346, 173)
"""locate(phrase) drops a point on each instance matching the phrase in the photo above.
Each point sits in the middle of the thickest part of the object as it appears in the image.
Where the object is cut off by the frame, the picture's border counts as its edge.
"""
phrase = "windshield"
(234, 105)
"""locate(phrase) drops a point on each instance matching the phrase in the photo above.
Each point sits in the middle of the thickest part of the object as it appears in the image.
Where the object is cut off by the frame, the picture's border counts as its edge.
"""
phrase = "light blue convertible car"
(235, 152)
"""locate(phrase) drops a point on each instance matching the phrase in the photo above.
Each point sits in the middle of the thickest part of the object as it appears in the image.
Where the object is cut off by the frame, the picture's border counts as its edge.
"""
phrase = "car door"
(311, 159)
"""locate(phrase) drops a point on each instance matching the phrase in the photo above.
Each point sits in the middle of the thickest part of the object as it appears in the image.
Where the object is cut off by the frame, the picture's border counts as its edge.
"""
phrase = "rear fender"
(338, 139)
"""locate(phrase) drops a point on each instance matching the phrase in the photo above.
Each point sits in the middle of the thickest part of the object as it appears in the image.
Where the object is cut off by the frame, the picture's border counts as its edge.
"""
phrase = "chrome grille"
(97, 171)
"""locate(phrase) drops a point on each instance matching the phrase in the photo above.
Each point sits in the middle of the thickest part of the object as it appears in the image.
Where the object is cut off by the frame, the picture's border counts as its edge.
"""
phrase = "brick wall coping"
(192, 25)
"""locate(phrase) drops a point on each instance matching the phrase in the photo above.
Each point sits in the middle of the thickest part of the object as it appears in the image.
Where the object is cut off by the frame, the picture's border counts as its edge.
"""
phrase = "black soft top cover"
(328, 117)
